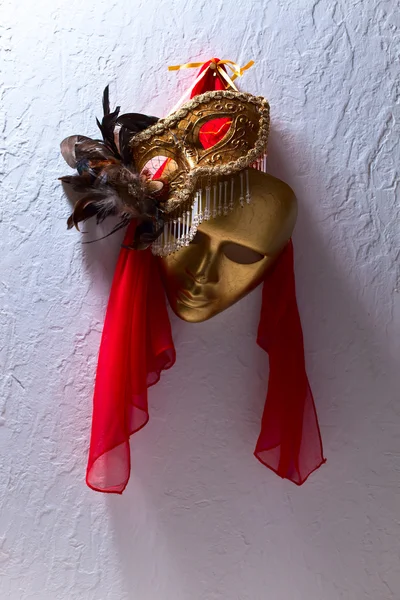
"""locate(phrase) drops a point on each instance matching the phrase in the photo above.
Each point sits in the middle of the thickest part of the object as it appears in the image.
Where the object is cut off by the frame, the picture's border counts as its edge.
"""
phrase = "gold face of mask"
(230, 254)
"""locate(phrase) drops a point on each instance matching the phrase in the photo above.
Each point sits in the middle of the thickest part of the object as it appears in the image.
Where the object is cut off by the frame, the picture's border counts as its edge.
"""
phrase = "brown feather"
(79, 183)
(93, 150)
(108, 178)
(84, 208)
(67, 147)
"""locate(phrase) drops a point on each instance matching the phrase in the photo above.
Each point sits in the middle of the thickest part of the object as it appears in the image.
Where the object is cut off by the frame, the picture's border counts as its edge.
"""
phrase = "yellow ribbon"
(216, 66)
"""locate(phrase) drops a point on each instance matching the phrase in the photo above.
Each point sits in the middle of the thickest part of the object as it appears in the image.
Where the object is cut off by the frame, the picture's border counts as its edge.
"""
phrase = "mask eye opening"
(214, 131)
(241, 255)
(160, 167)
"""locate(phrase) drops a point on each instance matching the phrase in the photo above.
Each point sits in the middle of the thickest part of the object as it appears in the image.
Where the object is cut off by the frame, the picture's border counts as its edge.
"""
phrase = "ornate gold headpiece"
(169, 173)
(197, 174)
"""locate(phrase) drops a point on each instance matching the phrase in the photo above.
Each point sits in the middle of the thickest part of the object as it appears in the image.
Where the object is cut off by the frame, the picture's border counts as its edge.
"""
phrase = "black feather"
(136, 122)
(108, 123)
(107, 127)
(106, 100)
(125, 136)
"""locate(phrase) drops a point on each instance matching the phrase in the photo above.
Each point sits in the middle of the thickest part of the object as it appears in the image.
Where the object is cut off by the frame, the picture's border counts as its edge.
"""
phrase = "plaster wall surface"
(201, 519)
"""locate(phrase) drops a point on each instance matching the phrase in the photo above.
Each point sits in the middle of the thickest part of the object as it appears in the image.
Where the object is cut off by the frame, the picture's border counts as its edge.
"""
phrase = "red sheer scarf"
(290, 441)
(137, 345)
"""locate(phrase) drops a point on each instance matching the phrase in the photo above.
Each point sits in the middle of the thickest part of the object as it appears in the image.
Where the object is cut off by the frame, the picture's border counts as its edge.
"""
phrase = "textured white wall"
(201, 518)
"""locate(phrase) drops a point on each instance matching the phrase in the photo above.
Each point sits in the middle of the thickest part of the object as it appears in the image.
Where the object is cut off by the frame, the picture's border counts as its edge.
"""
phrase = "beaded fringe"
(211, 201)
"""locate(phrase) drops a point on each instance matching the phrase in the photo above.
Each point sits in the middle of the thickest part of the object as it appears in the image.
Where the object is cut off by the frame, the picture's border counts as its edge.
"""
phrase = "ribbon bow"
(215, 65)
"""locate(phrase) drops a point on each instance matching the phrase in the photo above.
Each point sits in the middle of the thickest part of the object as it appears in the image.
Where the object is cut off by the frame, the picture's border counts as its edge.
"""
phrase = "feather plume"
(108, 177)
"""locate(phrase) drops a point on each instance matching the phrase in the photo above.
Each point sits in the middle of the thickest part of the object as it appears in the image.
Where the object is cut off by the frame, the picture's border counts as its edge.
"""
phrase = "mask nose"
(203, 265)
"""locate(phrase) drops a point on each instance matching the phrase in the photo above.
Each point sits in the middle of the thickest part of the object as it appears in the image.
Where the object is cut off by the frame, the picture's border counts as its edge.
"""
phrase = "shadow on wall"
(99, 255)
(345, 345)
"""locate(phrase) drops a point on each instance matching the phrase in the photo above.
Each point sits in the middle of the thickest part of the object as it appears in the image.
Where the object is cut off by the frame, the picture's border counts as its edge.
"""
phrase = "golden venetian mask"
(199, 174)
(197, 182)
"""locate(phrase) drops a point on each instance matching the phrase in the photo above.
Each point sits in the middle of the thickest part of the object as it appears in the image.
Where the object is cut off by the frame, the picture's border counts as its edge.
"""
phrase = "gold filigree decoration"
(177, 137)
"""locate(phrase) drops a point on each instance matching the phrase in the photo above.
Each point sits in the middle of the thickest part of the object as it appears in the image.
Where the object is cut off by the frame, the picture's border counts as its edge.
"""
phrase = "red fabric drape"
(290, 442)
(137, 345)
